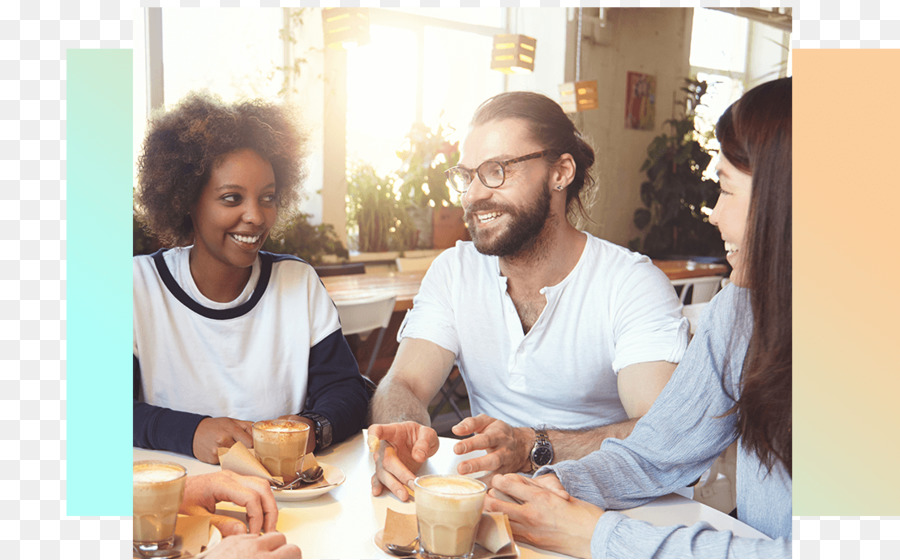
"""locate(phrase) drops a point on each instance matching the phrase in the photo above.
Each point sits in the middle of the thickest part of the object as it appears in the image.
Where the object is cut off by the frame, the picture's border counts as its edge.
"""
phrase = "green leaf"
(641, 218)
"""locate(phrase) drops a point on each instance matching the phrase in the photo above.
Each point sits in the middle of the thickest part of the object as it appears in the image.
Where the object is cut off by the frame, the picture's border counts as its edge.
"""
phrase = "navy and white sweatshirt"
(276, 349)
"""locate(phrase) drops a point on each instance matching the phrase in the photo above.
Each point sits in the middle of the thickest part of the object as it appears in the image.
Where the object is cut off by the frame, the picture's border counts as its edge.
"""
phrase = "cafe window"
(416, 69)
(719, 57)
(430, 66)
(733, 54)
(233, 53)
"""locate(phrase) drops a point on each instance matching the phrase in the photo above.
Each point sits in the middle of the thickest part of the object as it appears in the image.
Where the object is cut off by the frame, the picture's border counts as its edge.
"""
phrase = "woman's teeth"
(248, 239)
(731, 248)
(487, 216)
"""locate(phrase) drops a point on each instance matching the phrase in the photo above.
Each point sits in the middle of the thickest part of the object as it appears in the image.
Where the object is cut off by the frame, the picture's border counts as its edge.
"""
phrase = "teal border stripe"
(98, 281)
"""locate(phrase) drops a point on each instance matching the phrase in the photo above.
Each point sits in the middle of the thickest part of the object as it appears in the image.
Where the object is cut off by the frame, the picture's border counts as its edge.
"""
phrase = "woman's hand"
(213, 433)
(203, 492)
(270, 545)
(544, 517)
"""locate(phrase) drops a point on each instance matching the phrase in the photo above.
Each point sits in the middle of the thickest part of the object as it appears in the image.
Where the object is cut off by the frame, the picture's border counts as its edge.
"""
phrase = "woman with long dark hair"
(734, 383)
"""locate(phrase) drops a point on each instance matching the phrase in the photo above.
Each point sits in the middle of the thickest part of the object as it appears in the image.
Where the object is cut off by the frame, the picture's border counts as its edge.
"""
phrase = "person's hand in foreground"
(270, 545)
(547, 517)
(508, 449)
(213, 433)
(203, 492)
(399, 451)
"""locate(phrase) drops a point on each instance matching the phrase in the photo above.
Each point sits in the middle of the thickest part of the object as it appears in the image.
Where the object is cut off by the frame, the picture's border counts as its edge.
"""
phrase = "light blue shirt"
(674, 443)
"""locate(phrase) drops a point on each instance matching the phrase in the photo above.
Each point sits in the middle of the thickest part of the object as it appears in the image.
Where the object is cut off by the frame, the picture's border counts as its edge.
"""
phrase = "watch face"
(542, 456)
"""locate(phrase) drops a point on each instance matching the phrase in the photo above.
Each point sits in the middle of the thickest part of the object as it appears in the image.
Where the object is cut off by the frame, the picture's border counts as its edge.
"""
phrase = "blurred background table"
(405, 285)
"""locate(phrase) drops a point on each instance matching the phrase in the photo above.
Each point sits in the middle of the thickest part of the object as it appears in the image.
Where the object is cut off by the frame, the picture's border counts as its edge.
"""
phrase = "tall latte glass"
(158, 491)
(448, 509)
(280, 446)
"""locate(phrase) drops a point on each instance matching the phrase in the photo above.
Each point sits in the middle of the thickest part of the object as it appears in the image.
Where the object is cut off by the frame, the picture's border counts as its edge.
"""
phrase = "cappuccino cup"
(158, 491)
(280, 446)
(448, 509)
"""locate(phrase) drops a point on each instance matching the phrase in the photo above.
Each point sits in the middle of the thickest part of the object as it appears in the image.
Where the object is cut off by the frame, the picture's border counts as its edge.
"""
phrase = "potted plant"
(677, 199)
(311, 243)
(372, 208)
(423, 186)
(396, 211)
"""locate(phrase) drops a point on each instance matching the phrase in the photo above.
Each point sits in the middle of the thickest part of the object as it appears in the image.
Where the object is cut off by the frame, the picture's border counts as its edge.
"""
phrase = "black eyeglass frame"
(448, 173)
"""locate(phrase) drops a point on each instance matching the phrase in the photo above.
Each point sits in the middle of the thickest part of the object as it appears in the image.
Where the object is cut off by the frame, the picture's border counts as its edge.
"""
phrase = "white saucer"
(215, 537)
(333, 475)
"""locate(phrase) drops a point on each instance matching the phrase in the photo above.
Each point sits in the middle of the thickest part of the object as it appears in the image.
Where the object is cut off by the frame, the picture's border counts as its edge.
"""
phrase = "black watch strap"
(322, 428)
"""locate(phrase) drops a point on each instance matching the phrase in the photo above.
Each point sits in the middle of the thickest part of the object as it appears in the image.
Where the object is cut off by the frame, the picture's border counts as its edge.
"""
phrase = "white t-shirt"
(614, 309)
(245, 359)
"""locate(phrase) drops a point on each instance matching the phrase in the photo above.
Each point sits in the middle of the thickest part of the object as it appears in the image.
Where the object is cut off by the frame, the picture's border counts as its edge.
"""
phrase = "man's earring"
(559, 187)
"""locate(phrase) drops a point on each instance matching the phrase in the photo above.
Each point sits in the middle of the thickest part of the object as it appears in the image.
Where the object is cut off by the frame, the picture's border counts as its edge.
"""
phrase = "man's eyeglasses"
(492, 173)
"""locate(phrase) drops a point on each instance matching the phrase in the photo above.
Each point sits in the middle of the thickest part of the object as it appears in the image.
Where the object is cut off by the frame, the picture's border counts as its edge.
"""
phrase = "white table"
(343, 522)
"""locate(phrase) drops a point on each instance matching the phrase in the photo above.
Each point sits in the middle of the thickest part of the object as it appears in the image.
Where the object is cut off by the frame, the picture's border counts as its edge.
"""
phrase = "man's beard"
(524, 227)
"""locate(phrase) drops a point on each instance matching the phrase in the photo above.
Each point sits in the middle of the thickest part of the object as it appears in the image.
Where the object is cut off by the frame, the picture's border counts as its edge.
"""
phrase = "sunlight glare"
(382, 80)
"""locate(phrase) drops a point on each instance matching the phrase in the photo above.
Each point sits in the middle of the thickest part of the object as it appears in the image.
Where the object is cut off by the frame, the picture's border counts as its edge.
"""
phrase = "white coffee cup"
(448, 509)
(280, 446)
(158, 491)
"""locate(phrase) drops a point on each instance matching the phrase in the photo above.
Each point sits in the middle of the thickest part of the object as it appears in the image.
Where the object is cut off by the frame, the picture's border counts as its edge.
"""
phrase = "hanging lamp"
(513, 54)
(345, 27)
(580, 95)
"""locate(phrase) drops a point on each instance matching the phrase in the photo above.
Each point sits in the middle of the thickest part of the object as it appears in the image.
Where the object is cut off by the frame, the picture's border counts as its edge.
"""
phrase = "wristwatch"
(323, 429)
(542, 451)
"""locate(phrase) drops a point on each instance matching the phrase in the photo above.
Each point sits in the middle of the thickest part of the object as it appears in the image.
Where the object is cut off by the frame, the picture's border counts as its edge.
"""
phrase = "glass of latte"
(280, 446)
(158, 491)
(448, 509)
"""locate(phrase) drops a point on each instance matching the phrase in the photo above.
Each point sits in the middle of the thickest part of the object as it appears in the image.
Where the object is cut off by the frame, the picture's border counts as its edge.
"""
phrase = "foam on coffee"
(459, 486)
(155, 472)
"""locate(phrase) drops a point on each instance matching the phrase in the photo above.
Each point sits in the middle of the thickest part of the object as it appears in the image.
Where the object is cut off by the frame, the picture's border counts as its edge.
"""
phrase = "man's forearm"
(575, 444)
(395, 402)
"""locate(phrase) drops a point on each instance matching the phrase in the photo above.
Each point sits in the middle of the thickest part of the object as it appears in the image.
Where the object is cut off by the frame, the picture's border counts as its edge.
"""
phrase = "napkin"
(494, 532)
(192, 532)
(243, 461)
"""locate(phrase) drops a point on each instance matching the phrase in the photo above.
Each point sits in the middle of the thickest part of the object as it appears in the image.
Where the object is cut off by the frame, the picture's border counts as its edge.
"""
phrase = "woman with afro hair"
(226, 334)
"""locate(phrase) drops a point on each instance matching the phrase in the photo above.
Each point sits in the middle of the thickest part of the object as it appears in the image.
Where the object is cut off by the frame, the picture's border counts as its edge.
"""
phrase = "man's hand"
(203, 492)
(270, 545)
(507, 448)
(403, 448)
(543, 517)
(213, 433)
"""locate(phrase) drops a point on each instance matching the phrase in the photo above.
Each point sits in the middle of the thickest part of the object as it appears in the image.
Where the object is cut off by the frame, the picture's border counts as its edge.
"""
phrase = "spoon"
(309, 476)
(409, 551)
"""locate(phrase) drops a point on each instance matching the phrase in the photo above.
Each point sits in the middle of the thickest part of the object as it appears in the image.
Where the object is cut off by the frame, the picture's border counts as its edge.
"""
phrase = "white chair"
(413, 264)
(702, 289)
(364, 316)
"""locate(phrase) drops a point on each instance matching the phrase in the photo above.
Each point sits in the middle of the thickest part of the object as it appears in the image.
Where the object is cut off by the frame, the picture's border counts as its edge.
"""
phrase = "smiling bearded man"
(522, 232)
(563, 339)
